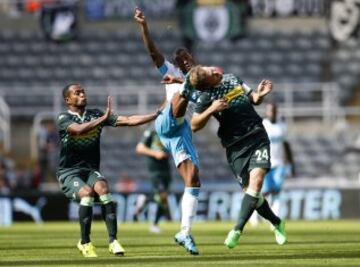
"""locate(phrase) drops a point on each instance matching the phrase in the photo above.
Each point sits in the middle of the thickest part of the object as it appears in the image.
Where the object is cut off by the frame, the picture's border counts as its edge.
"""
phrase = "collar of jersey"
(82, 118)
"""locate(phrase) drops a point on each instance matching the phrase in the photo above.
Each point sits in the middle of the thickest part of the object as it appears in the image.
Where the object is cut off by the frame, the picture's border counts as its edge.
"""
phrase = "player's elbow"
(139, 149)
(195, 127)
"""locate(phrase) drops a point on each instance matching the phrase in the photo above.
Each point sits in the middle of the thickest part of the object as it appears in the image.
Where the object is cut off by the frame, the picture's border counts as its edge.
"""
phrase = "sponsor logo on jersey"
(92, 133)
(238, 90)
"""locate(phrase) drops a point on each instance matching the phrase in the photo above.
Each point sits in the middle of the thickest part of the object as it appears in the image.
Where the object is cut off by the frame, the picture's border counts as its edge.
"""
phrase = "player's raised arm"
(153, 51)
(264, 87)
(79, 129)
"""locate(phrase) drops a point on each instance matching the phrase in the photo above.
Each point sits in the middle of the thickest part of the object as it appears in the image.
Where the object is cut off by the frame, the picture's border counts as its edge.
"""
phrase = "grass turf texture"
(328, 243)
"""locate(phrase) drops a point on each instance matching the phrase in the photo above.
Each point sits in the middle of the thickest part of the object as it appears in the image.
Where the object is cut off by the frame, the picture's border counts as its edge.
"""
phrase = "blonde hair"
(197, 77)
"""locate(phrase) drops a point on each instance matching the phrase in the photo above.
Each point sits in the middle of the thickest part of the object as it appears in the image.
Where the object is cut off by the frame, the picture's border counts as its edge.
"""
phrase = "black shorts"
(72, 180)
(243, 160)
(160, 183)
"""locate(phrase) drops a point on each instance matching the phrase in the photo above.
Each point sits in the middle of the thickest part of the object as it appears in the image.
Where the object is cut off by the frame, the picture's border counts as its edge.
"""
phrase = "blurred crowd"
(22, 176)
(15, 8)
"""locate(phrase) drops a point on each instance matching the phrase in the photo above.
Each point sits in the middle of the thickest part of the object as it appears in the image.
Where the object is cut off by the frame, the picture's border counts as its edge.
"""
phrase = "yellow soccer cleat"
(116, 249)
(88, 250)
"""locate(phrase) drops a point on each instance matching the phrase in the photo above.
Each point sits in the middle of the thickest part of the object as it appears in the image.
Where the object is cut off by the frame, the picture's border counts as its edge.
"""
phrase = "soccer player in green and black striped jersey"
(159, 172)
(242, 134)
(78, 173)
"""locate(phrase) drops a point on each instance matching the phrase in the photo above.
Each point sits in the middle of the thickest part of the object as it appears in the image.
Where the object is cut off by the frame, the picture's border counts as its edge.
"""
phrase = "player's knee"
(257, 178)
(101, 187)
(193, 180)
(86, 191)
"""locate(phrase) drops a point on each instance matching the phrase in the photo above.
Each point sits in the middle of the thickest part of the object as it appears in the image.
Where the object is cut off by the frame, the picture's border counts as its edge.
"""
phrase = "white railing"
(5, 124)
(322, 102)
(310, 100)
(306, 100)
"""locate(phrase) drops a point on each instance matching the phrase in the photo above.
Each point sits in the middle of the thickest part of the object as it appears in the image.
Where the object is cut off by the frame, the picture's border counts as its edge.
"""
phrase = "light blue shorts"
(176, 138)
(274, 179)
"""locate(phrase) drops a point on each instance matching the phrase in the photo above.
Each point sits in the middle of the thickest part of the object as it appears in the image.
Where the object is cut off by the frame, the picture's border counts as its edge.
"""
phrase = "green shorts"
(243, 160)
(72, 180)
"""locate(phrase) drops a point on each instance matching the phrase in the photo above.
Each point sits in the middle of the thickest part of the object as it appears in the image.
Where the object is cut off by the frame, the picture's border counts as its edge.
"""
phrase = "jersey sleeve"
(246, 87)
(111, 121)
(202, 103)
(169, 68)
(63, 121)
(146, 138)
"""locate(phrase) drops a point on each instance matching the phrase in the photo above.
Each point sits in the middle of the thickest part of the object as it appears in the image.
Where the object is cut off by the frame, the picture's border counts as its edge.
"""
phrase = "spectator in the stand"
(7, 167)
(52, 146)
(4, 183)
(36, 176)
(48, 142)
(22, 179)
(125, 184)
(42, 150)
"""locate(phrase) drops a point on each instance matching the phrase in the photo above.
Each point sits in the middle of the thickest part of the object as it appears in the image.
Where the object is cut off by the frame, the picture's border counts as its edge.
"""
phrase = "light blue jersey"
(274, 179)
(175, 134)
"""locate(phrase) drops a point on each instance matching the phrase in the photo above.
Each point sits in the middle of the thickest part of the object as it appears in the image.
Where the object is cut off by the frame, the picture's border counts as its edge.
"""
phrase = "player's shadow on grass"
(183, 258)
(42, 247)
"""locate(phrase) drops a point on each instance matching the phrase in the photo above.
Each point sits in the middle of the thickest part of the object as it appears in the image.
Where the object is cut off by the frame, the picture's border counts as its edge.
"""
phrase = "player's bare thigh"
(190, 173)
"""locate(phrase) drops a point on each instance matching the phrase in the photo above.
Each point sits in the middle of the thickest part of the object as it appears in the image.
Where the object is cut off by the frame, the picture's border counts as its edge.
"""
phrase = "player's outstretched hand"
(169, 79)
(139, 16)
(219, 105)
(264, 87)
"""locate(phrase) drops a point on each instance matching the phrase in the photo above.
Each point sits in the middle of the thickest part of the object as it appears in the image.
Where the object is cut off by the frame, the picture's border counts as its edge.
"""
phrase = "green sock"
(248, 206)
(109, 215)
(85, 218)
(265, 211)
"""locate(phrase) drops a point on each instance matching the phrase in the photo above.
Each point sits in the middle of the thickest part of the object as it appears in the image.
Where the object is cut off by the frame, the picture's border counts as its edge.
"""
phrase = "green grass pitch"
(327, 243)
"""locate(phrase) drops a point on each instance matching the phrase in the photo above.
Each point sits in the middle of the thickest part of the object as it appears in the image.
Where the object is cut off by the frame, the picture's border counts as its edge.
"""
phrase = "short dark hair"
(177, 52)
(65, 91)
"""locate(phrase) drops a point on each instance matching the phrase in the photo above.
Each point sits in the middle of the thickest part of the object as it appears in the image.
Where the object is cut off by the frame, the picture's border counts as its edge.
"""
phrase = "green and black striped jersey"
(239, 120)
(81, 151)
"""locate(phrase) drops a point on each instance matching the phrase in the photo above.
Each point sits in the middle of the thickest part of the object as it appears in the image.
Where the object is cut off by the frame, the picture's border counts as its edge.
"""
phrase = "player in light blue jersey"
(282, 163)
(175, 132)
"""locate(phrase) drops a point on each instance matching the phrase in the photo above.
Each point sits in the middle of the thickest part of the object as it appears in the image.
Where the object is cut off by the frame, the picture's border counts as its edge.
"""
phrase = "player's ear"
(67, 100)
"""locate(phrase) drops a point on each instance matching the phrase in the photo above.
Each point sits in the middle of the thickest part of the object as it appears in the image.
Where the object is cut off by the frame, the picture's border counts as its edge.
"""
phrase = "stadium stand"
(104, 58)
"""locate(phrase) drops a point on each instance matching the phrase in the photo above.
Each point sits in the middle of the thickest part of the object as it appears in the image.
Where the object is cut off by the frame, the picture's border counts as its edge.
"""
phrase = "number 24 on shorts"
(262, 154)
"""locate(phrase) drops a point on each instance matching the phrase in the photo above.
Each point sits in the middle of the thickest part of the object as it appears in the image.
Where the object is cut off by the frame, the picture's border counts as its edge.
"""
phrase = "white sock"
(188, 208)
